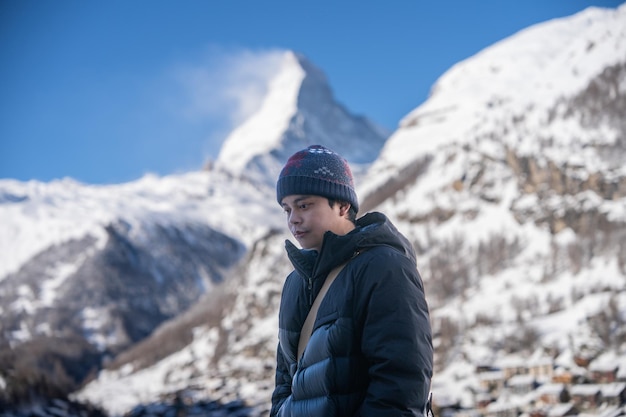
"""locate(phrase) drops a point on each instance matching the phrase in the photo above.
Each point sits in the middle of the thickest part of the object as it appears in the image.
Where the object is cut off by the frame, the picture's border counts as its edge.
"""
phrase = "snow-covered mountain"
(509, 181)
(88, 271)
(299, 109)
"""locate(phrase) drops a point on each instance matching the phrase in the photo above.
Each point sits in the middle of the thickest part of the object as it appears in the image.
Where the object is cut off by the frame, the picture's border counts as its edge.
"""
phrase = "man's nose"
(294, 218)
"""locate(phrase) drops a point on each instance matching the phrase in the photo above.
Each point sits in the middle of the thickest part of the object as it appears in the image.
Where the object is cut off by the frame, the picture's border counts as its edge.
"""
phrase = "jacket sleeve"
(396, 338)
(282, 388)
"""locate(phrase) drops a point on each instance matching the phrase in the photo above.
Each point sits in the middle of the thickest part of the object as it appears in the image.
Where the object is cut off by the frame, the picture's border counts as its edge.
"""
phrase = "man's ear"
(344, 207)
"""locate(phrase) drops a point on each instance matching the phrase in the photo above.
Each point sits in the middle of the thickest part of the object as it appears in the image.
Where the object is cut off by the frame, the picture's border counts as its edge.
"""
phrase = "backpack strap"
(307, 327)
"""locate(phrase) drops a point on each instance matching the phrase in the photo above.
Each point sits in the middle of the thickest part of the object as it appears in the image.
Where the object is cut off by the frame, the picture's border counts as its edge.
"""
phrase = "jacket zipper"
(310, 278)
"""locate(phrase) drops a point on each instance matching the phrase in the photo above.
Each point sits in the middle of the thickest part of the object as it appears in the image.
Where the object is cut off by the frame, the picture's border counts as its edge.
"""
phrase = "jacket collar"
(373, 229)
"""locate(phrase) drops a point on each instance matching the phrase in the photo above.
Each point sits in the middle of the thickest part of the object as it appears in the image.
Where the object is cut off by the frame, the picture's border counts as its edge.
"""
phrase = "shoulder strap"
(307, 327)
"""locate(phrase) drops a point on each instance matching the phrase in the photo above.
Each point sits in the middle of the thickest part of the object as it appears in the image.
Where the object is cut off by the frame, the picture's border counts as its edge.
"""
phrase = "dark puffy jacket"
(370, 353)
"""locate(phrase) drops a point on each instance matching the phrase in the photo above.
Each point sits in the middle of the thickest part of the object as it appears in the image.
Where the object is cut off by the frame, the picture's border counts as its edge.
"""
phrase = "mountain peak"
(272, 118)
(536, 78)
(298, 110)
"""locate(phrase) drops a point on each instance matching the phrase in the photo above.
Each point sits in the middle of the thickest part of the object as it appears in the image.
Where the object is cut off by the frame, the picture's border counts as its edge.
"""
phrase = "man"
(370, 348)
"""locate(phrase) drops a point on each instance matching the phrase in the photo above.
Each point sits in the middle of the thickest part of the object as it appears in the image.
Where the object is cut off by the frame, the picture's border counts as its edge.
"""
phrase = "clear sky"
(106, 91)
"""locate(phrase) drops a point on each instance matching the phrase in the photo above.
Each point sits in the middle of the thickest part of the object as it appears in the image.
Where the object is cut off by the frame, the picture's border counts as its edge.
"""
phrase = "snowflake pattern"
(320, 150)
(324, 171)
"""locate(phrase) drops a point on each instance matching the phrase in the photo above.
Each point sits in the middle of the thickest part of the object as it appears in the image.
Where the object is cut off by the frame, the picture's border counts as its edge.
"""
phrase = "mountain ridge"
(470, 90)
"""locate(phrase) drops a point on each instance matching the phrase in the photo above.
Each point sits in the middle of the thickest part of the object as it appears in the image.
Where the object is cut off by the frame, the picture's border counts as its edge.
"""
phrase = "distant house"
(491, 381)
(586, 396)
(541, 368)
(563, 376)
(603, 373)
(569, 376)
(521, 384)
(563, 410)
(513, 365)
(502, 410)
(558, 410)
(552, 394)
(614, 394)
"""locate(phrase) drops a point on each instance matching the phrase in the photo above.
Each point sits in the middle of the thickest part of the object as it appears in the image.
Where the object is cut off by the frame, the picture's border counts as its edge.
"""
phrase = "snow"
(298, 110)
(613, 389)
(541, 64)
(279, 105)
(56, 212)
(129, 387)
(93, 320)
(59, 274)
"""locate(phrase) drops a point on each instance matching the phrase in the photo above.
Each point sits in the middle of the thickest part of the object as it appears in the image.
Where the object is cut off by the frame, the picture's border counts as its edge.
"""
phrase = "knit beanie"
(317, 170)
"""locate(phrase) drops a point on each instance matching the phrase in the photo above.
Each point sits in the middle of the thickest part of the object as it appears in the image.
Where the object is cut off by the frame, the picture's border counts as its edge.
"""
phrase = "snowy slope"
(522, 77)
(227, 360)
(90, 270)
(44, 214)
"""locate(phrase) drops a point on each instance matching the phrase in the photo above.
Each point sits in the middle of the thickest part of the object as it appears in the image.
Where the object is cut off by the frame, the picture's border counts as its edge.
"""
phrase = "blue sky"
(97, 90)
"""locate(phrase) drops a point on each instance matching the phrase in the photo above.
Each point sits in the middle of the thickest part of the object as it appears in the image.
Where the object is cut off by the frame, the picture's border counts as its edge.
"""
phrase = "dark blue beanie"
(317, 170)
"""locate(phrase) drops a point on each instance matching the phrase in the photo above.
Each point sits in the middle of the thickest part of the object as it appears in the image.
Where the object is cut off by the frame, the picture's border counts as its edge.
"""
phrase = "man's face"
(309, 217)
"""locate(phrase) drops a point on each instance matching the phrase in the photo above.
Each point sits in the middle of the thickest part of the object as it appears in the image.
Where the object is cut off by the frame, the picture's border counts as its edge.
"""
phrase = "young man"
(370, 348)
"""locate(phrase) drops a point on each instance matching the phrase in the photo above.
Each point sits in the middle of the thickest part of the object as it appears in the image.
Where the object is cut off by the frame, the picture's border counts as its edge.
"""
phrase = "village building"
(614, 394)
(492, 381)
(586, 396)
(563, 410)
(603, 373)
(558, 410)
(512, 365)
(549, 394)
(563, 376)
(521, 384)
(541, 368)
(538, 388)
(504, 408)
